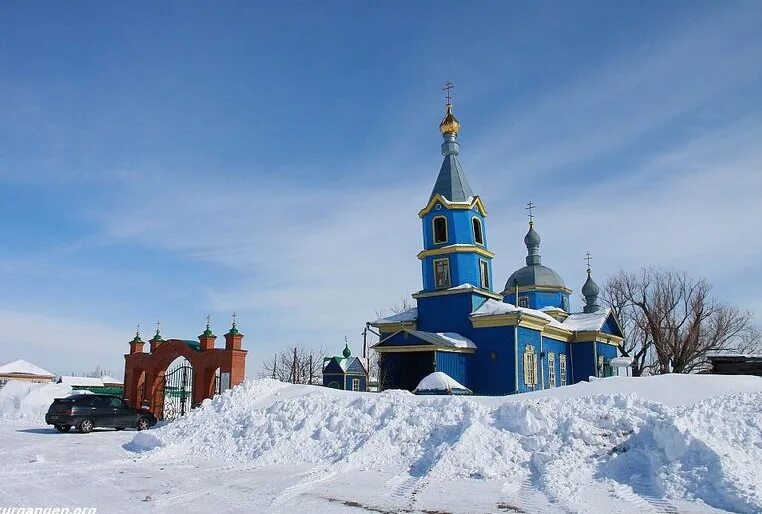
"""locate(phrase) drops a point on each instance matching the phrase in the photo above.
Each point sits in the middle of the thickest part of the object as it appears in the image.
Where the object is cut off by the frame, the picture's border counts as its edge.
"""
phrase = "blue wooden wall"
(455, 365)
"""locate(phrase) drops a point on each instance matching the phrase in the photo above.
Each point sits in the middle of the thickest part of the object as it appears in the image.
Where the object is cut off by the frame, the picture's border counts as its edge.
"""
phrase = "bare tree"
(672, 322)
(295, 364)
(404, 304)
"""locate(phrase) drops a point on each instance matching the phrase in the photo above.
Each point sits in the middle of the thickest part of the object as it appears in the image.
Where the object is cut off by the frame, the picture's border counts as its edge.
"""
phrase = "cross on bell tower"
(448, 87)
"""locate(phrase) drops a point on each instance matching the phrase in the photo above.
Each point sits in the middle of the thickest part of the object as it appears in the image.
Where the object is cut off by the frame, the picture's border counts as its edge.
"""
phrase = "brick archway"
(203, 357)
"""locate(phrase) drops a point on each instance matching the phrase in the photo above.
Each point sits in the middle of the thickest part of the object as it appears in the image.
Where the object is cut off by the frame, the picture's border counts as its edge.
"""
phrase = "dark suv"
(87, 411)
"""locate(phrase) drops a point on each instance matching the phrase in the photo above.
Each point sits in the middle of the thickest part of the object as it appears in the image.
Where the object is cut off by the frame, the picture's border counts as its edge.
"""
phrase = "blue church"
(345, 372)
(520, 339)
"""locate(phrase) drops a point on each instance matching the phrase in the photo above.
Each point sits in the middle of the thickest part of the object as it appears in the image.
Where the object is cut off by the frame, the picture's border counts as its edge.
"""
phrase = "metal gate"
(178, 391)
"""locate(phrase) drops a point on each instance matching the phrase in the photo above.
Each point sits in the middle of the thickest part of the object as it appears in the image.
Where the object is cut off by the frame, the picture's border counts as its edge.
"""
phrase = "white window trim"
(355, 384)
(530, 366)
(562, 368)
(434, 230)
(484, 263)
(551, 369)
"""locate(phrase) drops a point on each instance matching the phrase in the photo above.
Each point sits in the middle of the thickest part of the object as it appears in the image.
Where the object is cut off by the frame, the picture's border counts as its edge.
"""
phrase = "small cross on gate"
(158, 324)
(447, 87)
(588, 258)
(137, 330)
(235, 315)
(208, 320)
(530, 207)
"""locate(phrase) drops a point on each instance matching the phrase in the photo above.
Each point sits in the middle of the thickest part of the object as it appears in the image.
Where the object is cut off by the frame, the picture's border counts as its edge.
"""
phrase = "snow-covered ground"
(659, 444)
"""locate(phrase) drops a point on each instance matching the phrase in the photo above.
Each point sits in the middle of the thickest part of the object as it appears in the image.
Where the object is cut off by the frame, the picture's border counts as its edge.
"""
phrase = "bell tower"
(455, 249)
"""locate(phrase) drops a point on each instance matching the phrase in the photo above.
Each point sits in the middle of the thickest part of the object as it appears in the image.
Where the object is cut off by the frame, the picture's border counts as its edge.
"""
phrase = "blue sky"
(166, 161)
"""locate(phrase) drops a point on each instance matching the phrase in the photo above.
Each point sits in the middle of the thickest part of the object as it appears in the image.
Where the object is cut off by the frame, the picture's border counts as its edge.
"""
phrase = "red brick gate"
(144, 371)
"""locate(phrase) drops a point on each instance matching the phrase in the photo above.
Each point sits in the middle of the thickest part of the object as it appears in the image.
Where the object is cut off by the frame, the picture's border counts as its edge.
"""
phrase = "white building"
(24, 371)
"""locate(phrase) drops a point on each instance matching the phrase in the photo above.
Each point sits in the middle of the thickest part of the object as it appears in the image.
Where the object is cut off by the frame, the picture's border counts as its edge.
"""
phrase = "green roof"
(193, 344)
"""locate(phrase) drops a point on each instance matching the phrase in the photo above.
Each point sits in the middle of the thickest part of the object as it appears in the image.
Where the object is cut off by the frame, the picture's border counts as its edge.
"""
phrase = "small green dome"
(347, 352)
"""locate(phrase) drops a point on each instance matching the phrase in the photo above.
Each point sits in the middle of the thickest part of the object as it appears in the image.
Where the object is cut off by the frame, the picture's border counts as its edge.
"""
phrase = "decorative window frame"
(355, 384)
(481, 230)
(523, 301)
(530, 366)
(562, 367)
(551, 369)
(434, 230)
(449, 273)
(484, 273)
(601, 363)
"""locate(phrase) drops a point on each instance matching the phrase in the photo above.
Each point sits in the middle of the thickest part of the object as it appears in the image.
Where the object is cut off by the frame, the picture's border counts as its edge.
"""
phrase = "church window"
(355, 384)
(478, 235)
(484, 273)
(600, 365)
(562, 368)
(442, 273)
(530, 366)
(524, 301)
(565, 303)
(551, 369)
(440, 230)
(333, 385)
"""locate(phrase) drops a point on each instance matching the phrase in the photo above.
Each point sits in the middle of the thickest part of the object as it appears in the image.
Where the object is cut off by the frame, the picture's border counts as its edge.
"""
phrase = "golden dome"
(450, 123)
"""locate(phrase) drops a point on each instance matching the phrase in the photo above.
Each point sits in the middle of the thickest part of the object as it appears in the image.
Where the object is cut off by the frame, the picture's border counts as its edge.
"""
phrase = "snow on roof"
(462, 286)
(583, 321)
(402, 317)
(493, 307)
(108, 379)
(443, 338)
(22, 367)
(81, 381)
(439, 381)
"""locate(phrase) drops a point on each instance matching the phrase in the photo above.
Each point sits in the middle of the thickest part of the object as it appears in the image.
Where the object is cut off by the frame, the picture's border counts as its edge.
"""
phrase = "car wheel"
(119, 428)
(63, 428)
(143, 424)
(86, 426)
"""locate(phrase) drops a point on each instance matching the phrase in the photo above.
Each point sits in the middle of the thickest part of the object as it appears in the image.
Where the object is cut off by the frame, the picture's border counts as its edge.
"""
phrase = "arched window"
(440, 230)
(478, 235)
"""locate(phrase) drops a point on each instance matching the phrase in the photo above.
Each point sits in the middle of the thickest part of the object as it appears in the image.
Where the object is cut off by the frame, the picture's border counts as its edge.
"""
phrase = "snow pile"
(709, 451)
(28, 401)
(439, 381)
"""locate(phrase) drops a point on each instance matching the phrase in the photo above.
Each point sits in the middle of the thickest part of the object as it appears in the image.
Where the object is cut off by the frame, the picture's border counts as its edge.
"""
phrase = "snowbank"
(28, 401)
(708, 448)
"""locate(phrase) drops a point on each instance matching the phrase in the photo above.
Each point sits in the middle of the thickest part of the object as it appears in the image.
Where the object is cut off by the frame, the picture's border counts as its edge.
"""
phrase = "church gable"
(332, 367)
(611, 326)
(418, 338)
(354, 366)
